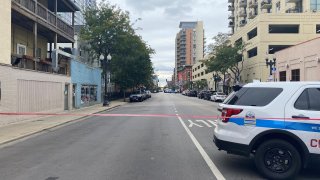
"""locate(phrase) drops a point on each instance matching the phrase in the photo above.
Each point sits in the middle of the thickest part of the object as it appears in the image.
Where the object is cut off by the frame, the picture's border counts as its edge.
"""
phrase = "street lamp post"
(216, 79)
(271, 63)
(105, 63)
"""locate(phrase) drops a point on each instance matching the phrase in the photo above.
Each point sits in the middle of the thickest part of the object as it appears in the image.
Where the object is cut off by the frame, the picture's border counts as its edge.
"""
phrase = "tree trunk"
(124, 96)
(224, 81)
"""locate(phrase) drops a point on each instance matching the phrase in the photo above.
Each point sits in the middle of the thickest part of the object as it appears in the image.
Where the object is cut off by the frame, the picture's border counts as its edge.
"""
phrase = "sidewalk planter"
(86, 84)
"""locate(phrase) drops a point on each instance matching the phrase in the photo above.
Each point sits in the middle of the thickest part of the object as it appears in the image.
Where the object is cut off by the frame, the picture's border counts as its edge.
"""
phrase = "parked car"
(218, 96)
(185, 92)
(201, 94)
(148, 94)
(207, 95)
(137, 97)
(193, 93)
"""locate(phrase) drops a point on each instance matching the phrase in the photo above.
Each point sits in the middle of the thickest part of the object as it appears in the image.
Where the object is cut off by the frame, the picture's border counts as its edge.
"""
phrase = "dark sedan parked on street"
(136, 97)
(193, 93)
(207, 95)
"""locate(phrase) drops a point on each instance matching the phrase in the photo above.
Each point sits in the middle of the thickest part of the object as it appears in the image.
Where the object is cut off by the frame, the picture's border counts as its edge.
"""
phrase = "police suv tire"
(266, 147)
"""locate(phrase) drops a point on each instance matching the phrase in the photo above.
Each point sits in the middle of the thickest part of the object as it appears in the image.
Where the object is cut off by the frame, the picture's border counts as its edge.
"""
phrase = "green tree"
(108, 30)
(200, 84)
(226, 57)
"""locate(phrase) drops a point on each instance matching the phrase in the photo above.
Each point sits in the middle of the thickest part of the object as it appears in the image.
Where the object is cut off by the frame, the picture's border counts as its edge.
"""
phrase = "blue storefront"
(86, 84)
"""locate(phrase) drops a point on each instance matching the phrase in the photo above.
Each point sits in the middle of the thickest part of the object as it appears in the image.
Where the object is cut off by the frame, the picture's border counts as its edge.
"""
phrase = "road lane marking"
(204, 122)
(213, 122)
(203, 153)
(192, 123)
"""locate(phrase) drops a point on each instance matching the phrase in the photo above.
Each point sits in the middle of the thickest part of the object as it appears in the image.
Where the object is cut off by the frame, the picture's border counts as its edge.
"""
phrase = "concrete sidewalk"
(23, 129)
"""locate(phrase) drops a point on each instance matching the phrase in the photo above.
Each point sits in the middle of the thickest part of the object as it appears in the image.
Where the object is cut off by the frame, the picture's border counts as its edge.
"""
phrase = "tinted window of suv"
(302, 102)
(309, 100)
(254, 96)
(314, 98)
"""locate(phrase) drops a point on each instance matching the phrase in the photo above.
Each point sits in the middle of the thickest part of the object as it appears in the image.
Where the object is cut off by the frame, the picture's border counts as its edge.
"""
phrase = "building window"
(284, 28)
(202, 73)
(295, 75)
(38, 53)
(253, 52)
(21, 49)
(318, 28)
(315, 5)
(252, 34)
(88, 94)
(202, 65)
(275, 48)
(239, 41)
(283, 76)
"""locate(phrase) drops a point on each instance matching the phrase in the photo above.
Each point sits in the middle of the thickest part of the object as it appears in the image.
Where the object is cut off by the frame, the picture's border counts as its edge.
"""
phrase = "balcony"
(42, 65)
(253, 4)
(230, 8)
(37, 11)
(266, 4)
(252, 15)
(293, 1)
(294, 10)
(242, 13)
(242, 23)
(231, 16)
(231, 24)
(243, 3)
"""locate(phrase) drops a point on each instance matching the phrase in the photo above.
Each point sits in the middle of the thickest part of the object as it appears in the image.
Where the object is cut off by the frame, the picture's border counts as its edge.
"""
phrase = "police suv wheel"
(278, 159)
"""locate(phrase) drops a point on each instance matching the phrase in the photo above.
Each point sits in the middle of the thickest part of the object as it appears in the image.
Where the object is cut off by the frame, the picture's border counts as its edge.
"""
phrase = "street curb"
(26, 136)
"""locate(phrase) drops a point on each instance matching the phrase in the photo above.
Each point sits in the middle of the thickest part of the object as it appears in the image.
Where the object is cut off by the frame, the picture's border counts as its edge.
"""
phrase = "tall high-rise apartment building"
(189, 48)
(267, 26)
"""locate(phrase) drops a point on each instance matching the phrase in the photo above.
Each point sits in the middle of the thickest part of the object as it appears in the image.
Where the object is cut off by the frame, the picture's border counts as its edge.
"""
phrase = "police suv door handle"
(300, 116)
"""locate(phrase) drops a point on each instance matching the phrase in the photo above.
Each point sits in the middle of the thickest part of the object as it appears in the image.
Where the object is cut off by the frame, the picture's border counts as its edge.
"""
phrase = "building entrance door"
(74, 86)
(66, 95)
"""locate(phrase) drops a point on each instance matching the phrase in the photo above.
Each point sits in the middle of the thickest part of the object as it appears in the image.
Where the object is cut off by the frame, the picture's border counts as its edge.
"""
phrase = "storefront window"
(88, 94)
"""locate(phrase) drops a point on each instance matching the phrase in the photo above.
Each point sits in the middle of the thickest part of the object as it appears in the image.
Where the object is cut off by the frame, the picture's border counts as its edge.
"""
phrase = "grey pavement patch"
(52, 178)
(50, 129)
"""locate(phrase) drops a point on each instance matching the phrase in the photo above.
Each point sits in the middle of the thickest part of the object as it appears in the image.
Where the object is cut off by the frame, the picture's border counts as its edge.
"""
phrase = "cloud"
(160, 24)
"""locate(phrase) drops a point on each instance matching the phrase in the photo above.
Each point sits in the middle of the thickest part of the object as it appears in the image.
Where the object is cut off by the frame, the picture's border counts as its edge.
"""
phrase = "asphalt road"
(127, 148)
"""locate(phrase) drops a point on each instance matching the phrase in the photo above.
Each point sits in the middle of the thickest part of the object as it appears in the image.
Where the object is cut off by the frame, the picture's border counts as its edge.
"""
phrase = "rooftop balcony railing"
(45, 14)
(243, 3)
(293, 1)
(230, 8)
(294, 10)
(242, 13)
(253, 4)
(252, 15)
(266, 4)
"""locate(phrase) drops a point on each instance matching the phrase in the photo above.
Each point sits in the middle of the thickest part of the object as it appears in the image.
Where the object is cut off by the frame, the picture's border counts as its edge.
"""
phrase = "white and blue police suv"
(277, 122)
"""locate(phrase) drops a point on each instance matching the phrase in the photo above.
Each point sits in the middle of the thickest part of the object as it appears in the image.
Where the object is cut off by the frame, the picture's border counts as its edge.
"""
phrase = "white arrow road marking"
(203, 153)
(192, 123)
(213, 122)
(204, 122)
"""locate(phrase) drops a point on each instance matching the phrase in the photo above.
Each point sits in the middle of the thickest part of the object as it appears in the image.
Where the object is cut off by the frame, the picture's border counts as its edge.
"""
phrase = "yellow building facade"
(268, 26)
(5, 38)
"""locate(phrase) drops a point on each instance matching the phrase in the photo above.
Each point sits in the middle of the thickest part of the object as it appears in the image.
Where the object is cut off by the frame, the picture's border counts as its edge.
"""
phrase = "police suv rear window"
(309, 100)
(254, 96)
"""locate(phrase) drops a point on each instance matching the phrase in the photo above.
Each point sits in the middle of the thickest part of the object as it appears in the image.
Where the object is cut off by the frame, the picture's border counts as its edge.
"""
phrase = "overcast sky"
(160, 23)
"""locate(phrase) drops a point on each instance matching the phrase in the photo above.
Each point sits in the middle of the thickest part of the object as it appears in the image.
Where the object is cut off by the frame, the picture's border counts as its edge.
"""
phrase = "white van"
(277, 122)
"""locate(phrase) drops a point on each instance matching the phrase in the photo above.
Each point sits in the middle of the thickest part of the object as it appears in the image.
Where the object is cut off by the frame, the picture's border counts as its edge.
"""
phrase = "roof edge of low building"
(313, 39)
